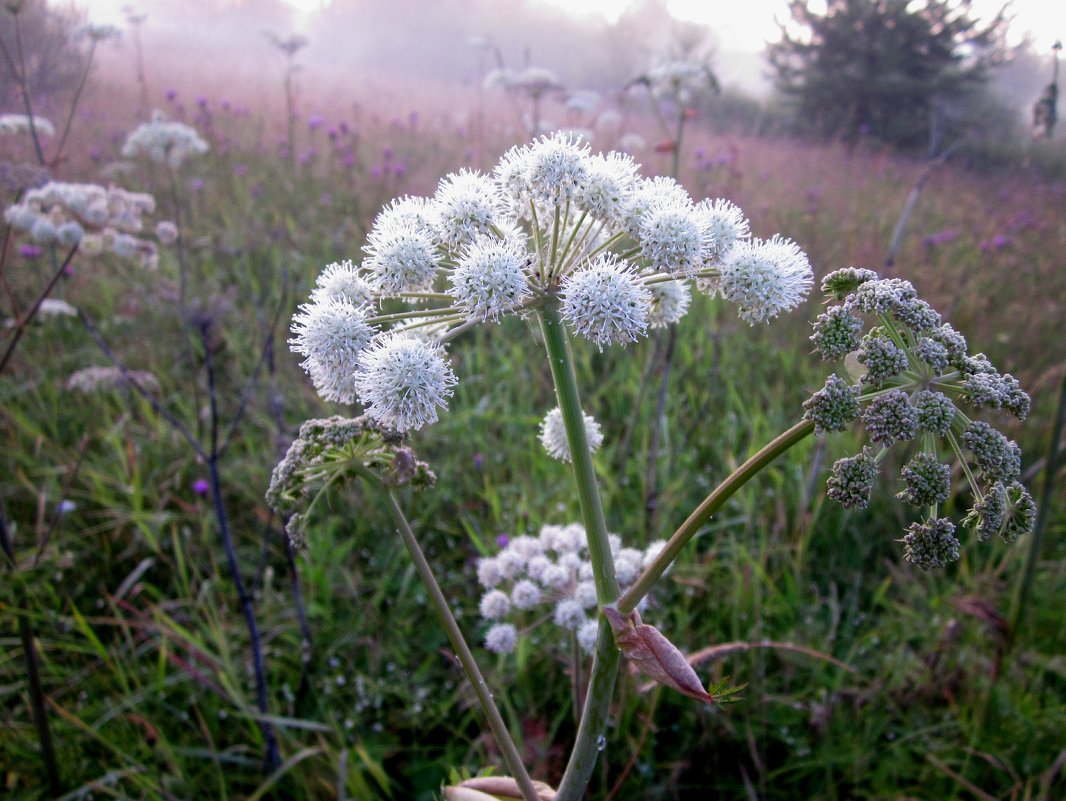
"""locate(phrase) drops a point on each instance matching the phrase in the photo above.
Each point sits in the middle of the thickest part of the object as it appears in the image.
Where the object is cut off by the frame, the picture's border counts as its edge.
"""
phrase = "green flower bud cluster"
(333, 448)
(909, 378)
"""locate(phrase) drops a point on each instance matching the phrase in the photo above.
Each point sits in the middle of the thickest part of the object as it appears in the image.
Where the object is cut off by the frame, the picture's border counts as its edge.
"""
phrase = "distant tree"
(898, 70)
(37, 38)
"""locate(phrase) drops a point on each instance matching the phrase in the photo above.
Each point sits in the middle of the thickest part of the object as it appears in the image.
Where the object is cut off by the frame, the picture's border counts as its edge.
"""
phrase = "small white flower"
(405, 211)
(669, 303)
(465, 206)
(569, 614)
(166, 232)
(526, 546)
(402, 381)
(611, 178)
(525, 594)
(556, 578)
(501, 638)
(674, 240)
(511, 175)
(490, 278)
(558, 168)
(488, 572)
(331, 335)
(495, 605)
(164, 142)
(585, 594)
(725, 222)
(586, 635)
(651, 552)
(605, 302)
(511, 563)
(43, 231)
(69, 234)
(54, 307)
(20, 123)
(553, 438)
(341, 280)
(400, 258)
(765, 278)
(628, 565)
(658, 192)
(537, 567)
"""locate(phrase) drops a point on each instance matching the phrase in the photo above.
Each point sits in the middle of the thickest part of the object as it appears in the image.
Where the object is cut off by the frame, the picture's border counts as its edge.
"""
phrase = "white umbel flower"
(586, 635)
(553, 438)
(341, 281)
(669, 303)
(558, 168)
(611, 179)
(20, 123)
(400, 258)
(490, 279)
(495, 605)
(466, 206)
(164, 142)
(402, 381)
(658, 192)
(408, 210)
(605, 302)
(331, 334)
(765, 278)
(674, 239)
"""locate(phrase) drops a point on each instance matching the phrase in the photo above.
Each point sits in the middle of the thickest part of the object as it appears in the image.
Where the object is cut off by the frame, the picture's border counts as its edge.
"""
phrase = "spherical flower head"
(488, 572)
(587, 633)
(658, 192)
(466, 205)
(1019, 514)
(890, 417)
(415, 212)
(510, 563)
(341, 281)
(765, 278)
(43, 231)
(167, 233)
(927, 481)
(400, 258)
(931, 544)
(585, 594)
(836, 333)
(331, 335)
(402, 381)
(495, 605)
(553, 438)
(834, 406)
(952, 340)
(490, 279)
(725, 222)
(988, 512)
(569, 614)
(935, 411)
(525, 594)
(628, 564)
(605, 302)
(882, 357)
(998, 457)
(674, 240)
(609, 181)
(841, 283)
(669, 303)
(501, 638)
(852, 480)
(558, 168)
(998, 391)
(164, 142)
(917, 315)
(69, 234)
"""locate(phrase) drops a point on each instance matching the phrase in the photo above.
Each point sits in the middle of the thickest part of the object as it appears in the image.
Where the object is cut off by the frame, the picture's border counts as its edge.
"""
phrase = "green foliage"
(895, 70)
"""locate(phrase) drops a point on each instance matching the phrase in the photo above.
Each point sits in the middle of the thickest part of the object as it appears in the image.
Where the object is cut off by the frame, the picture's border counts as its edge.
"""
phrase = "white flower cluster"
(553, 434)
(89, 380)
(680, 81)
(533, 81)
(550, 570)
(86, 215)
(164, 142)
(20, 123)
(552, 223)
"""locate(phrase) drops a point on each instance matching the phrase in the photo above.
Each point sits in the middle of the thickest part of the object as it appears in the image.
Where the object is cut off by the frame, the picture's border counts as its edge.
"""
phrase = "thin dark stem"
(20, 76)
(68, 482)
(273, 755)
(33, 674)
(651, 489)
(23, 323)
(74, 105)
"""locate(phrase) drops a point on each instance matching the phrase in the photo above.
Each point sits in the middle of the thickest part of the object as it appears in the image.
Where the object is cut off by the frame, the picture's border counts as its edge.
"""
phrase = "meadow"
(863, 677)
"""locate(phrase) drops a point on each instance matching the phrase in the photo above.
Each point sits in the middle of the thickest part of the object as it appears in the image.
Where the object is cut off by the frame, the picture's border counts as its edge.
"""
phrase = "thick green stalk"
(737, 479)
(557, 344)
(590, 732)
(462, 651)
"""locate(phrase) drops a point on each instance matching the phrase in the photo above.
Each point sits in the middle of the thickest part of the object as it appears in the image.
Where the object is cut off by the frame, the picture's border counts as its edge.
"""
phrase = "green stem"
(737, 479)
(594, 714)
(462, 650)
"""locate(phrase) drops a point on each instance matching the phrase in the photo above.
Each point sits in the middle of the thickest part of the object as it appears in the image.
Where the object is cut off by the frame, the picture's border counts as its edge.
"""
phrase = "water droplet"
(601, 743)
